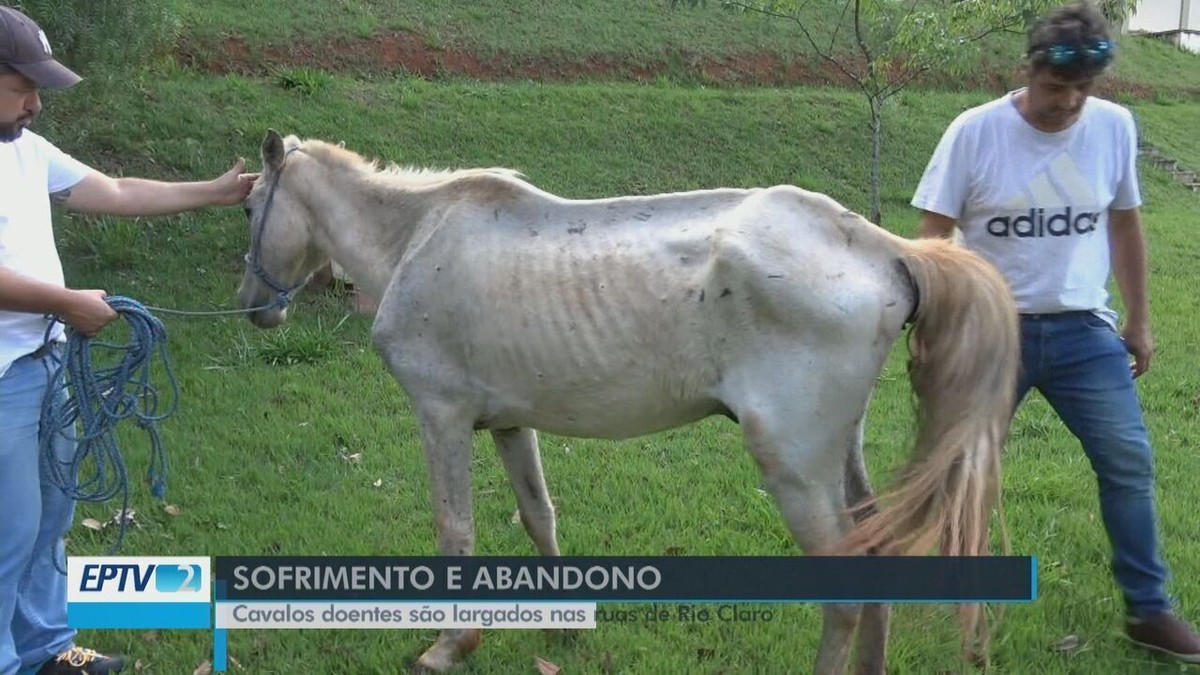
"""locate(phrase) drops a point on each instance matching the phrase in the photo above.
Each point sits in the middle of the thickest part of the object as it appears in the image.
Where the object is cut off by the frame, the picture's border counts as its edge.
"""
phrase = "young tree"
(883, 45)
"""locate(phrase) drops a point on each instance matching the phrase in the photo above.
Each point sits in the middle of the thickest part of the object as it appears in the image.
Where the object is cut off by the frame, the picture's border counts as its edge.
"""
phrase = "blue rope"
(97, 398)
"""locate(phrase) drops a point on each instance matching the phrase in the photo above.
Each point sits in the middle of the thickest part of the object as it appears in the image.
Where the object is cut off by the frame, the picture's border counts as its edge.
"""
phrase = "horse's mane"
(408, 177)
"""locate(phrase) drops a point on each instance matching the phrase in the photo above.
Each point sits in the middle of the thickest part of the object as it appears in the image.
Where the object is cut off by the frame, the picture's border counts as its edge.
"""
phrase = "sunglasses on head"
(1091, 52)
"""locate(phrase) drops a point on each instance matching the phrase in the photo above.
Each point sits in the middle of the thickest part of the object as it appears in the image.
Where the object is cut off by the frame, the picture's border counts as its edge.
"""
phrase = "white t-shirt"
(1035, 203)
(31, 169)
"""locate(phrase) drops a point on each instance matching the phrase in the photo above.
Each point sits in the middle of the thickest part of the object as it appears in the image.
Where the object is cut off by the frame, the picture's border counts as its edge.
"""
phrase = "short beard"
(10, 132)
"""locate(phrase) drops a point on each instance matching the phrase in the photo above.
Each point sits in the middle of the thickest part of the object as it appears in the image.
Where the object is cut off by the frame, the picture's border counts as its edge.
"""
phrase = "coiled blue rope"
(97, 397)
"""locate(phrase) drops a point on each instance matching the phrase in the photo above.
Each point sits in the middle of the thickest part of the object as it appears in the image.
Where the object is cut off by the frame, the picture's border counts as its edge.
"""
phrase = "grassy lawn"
(641, 28)
(591, 39)
(1173, 128)
(261, 447)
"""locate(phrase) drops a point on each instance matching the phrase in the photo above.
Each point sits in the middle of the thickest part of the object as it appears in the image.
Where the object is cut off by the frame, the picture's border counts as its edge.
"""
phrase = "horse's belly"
(624, 376)
(605, 412)
(603, 390)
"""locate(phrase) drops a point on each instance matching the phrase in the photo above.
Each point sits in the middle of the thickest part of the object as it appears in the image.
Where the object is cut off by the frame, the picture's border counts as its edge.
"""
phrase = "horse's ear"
(272, 150)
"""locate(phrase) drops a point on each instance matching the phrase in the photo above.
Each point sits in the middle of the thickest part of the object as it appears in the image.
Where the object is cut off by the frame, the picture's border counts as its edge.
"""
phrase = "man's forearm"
(19, 293)
(1128, 251)
(141, 196)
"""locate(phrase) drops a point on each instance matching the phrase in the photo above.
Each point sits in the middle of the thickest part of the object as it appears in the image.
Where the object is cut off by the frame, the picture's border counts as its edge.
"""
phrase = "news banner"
(310, 592)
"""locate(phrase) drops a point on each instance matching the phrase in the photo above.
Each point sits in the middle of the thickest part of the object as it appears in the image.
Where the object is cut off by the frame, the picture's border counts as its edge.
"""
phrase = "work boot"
(1165, 633)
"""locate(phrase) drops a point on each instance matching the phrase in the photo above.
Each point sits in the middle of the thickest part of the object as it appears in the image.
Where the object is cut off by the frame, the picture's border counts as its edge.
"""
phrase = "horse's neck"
(367, 237)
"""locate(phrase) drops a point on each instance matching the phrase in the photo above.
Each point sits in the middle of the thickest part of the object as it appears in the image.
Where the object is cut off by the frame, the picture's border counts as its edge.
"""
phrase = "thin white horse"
(506, 308)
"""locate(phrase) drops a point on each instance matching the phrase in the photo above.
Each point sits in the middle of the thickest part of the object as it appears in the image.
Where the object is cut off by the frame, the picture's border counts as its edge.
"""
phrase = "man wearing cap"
(1043, 182)
(34, 517)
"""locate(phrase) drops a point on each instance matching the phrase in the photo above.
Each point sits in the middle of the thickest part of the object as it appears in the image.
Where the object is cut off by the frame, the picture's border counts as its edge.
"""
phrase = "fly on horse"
(506, 308)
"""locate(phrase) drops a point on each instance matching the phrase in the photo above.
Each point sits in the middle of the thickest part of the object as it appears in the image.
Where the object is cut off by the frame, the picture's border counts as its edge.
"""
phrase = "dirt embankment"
(399, 51)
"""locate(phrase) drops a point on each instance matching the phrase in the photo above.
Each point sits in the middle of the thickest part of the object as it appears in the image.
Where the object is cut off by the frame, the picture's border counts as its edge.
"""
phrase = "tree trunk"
(876, 147)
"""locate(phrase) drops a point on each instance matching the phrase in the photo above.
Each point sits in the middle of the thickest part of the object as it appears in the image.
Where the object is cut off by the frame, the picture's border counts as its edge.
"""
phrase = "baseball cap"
(25, 49)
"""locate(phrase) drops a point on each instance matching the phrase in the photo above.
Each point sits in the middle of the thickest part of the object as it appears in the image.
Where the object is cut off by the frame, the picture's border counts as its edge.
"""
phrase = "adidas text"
(1040, 224)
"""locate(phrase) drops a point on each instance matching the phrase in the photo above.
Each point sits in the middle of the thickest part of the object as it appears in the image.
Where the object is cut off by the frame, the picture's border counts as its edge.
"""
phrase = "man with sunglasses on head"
(34, 515)
(1043, 182)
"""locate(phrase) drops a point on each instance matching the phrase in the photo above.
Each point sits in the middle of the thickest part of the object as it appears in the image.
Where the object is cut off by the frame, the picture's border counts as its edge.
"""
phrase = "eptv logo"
(139, 592)
(168, 578)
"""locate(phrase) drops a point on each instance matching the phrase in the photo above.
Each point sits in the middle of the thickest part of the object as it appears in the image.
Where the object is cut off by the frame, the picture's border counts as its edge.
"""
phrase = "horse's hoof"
(448, 651)
(430, 663)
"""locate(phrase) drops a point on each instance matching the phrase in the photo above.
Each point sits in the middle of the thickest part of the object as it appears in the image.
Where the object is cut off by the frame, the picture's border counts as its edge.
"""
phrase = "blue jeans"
(1079, 364)
(34, 517)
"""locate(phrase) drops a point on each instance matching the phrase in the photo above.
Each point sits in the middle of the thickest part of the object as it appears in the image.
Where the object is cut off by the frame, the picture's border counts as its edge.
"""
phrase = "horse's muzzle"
(271, 317)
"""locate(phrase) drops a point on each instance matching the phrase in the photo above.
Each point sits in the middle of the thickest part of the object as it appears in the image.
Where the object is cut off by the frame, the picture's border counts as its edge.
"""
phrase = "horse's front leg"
(446, 434)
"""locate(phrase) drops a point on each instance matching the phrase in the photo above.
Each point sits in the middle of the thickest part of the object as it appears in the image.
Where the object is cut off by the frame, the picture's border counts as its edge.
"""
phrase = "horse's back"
(806, 262)
(624, 316)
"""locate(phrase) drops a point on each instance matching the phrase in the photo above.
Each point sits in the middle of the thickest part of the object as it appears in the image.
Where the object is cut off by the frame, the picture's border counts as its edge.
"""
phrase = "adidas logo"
(1065, 205)
(1038, 224)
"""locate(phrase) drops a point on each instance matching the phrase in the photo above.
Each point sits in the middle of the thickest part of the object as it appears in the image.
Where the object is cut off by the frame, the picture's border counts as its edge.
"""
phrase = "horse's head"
(282, 252)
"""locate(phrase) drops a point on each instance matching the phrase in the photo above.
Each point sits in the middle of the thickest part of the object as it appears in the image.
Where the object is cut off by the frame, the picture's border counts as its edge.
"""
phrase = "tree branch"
(895, 86)
(1005, 25)
(828, 56)
(911, 8)
(838, 28)
(858, 36)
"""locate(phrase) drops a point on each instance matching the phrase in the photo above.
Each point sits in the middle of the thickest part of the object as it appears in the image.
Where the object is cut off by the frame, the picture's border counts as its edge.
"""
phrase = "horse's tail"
(964, 359)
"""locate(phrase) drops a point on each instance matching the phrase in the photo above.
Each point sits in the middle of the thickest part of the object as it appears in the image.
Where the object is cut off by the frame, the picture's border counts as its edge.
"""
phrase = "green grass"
(1158, 65)
(637, 138)
(260, 446)
(297, 442)
(640, 28)
(1172, 127)
(616, 38)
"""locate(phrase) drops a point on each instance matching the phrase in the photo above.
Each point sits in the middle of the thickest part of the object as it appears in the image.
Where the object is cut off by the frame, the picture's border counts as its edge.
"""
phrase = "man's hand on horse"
(232, 186)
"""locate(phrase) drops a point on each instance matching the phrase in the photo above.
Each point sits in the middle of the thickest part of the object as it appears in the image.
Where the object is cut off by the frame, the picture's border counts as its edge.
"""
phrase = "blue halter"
(254, 257)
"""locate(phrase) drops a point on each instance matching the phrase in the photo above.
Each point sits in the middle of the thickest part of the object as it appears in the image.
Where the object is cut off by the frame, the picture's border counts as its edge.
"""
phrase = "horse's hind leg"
(519, 452)
(446, 435)
(802, 459)
(873, 625)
